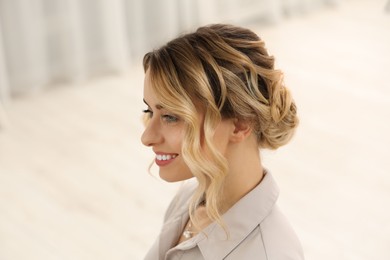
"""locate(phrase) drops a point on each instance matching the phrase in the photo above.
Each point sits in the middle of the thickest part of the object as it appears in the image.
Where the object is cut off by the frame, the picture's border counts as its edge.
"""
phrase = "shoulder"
(272, 239)
(278, 237)
(257, 229)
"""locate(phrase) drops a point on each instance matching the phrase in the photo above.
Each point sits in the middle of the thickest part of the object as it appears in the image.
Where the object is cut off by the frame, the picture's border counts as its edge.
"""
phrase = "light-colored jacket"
(257, 229)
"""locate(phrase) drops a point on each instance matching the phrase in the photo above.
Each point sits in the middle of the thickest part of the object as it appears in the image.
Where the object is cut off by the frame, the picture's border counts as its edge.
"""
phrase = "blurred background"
(73, 172)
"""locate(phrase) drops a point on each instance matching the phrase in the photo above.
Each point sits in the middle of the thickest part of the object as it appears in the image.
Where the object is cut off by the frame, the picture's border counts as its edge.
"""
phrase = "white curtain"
(3, 73)
(53, 41)
(49, 41)
(4, 88)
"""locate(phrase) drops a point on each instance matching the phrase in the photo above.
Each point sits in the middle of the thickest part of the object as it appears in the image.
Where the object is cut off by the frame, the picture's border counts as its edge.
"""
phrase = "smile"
(164, 159)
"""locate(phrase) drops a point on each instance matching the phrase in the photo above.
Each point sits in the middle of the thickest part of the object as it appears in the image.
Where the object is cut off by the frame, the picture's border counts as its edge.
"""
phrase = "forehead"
(148, 89)
(149, 94)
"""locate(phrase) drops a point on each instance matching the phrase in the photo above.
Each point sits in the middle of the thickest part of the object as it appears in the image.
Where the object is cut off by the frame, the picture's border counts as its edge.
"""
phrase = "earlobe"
(242, 129)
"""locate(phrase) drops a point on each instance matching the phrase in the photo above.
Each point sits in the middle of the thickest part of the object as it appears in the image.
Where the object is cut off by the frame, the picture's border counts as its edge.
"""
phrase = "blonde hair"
(222, 71)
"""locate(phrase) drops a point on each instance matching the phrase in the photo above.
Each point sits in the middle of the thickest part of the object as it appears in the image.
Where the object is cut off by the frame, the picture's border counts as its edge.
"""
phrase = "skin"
(233, 138)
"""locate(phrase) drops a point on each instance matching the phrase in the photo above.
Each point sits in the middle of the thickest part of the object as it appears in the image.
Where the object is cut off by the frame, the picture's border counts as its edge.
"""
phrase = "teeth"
(165, 157)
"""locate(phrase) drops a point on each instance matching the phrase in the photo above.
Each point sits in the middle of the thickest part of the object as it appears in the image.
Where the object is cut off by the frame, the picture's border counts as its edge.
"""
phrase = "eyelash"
(170, 119)
(167, 118)
(148, 111)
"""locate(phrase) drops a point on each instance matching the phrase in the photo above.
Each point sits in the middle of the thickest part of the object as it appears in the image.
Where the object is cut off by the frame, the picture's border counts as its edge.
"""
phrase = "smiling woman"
(213, 99)
(164, 132)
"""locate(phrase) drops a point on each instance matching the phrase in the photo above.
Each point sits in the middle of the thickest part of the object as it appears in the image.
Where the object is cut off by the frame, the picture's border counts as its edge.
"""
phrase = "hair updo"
(223, 71)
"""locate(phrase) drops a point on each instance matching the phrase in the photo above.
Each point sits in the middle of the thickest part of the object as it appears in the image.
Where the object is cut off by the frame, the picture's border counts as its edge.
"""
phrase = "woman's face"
(165, 131)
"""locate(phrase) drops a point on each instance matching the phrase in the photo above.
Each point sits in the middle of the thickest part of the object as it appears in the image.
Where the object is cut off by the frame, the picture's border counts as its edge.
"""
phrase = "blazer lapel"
(171, 229)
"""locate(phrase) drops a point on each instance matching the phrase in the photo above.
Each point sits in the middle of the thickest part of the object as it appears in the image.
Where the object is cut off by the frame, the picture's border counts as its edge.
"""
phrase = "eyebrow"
(158, 106)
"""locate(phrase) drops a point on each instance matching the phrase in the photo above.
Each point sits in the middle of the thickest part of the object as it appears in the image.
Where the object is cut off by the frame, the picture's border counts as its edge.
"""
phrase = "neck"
(245, 172)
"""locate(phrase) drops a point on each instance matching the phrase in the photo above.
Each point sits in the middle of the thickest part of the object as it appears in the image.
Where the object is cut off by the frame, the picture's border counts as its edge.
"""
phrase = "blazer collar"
(241, 220)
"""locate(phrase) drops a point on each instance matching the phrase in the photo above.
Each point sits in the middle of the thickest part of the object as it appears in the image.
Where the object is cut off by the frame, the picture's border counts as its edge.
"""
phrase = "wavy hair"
(221, 71)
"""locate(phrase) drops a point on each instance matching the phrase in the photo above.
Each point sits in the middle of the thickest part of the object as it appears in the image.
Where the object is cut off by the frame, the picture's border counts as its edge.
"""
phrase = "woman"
(213, 99)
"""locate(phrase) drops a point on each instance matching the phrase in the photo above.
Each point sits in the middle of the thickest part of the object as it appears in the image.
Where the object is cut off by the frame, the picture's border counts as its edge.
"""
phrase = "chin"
(174, 178)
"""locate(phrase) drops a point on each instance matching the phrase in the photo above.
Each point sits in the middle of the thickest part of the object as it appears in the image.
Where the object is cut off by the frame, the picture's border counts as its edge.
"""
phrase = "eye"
(148, 113)
(169, 118)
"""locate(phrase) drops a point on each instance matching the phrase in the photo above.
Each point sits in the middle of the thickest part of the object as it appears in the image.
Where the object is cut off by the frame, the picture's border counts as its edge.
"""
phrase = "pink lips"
(163, 159)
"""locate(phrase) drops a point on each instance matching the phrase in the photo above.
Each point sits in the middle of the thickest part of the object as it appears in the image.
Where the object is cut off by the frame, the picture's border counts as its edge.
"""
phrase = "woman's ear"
(242, 129)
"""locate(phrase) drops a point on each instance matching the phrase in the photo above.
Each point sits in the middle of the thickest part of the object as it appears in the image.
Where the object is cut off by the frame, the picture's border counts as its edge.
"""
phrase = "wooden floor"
(73, 173)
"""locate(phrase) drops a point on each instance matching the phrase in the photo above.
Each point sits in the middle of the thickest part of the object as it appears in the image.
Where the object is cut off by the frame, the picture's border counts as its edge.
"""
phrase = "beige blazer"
(258, 230)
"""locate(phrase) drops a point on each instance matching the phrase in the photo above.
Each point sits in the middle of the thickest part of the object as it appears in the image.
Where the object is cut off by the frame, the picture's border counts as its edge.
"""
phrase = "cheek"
(176, 139)
(221, 138)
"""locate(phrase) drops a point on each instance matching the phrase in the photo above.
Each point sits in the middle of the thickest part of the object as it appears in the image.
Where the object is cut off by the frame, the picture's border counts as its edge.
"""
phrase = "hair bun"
(284, 119)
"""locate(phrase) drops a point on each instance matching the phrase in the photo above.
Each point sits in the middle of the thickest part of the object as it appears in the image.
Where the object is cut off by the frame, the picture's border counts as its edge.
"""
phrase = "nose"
(152, 134)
